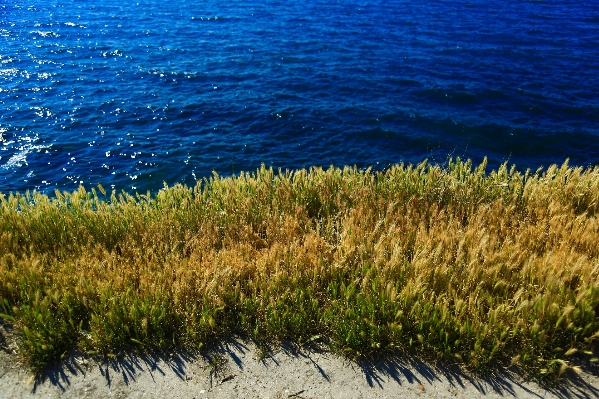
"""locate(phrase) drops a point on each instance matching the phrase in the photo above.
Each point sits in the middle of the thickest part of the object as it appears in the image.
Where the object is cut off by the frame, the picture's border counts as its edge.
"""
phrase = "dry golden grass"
(453, 263)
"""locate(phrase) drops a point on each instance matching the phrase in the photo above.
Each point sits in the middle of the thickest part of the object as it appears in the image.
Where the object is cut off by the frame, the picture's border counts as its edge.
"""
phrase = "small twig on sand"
(227, 378)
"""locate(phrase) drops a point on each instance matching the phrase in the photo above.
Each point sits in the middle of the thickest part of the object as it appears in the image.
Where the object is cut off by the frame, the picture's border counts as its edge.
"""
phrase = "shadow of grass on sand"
(232, 355)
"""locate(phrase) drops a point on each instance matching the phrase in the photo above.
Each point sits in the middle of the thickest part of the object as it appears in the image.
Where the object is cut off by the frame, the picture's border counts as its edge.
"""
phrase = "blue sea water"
(132, 94)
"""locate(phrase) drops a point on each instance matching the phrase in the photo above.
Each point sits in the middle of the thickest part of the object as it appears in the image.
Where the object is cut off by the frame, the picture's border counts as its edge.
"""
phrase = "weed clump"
(454, 263)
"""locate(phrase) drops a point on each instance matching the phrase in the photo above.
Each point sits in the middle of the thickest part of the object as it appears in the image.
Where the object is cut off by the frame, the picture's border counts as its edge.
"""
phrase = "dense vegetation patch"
(450, 262)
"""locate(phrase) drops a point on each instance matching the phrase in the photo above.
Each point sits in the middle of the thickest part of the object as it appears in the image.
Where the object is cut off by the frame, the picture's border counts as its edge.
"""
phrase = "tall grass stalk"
(454, 263)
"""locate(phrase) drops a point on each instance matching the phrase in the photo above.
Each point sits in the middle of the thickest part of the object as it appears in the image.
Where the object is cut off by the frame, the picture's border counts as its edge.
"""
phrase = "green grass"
(455, 263)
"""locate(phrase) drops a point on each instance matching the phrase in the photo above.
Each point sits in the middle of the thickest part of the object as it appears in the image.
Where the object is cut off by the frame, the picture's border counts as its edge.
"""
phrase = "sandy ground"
(232, 370)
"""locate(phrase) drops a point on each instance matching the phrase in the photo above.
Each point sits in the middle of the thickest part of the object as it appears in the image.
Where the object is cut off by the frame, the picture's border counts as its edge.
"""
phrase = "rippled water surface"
(132, 94)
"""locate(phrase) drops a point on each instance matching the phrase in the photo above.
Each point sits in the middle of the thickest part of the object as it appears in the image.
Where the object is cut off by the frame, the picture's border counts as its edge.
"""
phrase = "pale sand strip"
(287, 373)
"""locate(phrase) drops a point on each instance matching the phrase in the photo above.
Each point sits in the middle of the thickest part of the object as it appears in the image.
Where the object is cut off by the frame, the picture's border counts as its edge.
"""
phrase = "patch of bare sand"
(233, 370)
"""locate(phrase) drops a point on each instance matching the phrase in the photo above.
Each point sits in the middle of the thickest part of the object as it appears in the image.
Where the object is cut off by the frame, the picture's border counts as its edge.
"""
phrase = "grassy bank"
(455, 263)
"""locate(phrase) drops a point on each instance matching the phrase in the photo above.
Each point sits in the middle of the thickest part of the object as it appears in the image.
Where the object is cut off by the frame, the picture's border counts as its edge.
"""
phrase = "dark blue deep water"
(132, 94)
